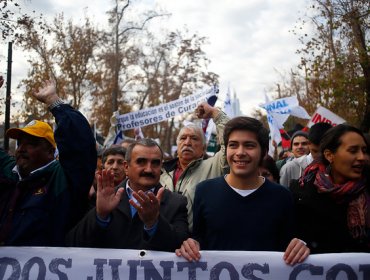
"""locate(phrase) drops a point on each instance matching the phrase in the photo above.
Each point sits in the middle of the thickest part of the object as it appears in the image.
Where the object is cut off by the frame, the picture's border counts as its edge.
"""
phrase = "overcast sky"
(249, 40)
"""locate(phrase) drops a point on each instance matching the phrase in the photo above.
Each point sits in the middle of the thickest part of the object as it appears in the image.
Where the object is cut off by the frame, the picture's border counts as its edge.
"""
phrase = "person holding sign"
(192, 165)
(243, 211)
(333, 195)
(139, 215)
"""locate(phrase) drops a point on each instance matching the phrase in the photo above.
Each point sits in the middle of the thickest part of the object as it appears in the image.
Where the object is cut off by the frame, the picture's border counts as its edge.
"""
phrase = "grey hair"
(195, 128)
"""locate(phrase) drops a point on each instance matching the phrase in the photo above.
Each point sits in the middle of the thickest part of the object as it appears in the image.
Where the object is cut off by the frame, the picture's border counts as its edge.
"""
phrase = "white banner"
(90, 264)
(278, 112)
(324, 115)
(165, 111)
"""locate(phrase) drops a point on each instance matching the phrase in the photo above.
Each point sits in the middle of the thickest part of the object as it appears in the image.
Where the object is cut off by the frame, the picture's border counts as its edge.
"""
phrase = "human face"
(300, 146)
(116, 164)
(348, 162)
(314, 150)
(243, 154)
(189, 146)
(144, 169)
(32, 153)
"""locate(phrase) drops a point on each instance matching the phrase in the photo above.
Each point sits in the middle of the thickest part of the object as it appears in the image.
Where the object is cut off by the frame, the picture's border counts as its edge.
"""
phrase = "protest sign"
(90, 264)
(324, 115)
(165, 111)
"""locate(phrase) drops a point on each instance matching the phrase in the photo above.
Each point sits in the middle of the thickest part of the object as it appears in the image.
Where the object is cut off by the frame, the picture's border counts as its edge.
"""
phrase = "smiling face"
(348, 161)
(243, 154)
(300, 146)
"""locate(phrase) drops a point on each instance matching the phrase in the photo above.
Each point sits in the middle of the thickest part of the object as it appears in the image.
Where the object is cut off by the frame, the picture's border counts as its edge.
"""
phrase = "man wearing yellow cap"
(41, 198)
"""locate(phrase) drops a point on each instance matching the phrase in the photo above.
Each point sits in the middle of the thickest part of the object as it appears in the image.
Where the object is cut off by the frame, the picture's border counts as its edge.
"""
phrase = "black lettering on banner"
(16, 268)
(54, 267)
(248, 269)
(133, 269)
(99, 268)
(365, 268)
(31, 262)
(150, 272)
(217, 269)
(114, 264)
(192, 266)
(314, 270)
(336, 269)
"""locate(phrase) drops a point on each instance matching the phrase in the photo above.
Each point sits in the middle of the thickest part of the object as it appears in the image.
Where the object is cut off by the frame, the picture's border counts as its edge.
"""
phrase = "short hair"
(197, 129)
(317, 131)
(146, 142)
(332, 139)
(248, 124)
(113, 150)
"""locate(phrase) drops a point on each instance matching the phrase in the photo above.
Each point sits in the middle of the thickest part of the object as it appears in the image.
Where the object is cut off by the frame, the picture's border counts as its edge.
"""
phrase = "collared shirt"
(177, 173)
(104, 223)
(16, 169)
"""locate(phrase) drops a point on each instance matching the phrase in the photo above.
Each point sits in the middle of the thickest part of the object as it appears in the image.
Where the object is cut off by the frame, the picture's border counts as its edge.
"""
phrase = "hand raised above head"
(47, 93)
(206, 111)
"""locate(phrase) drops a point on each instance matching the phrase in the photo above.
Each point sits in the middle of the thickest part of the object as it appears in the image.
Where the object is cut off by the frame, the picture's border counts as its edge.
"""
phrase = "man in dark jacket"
(139, 215)
(41, 198)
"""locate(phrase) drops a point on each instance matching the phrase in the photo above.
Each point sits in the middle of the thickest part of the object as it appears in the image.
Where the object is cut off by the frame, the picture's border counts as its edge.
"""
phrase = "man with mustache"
(192, 166)
(41, 198)
(139, 215)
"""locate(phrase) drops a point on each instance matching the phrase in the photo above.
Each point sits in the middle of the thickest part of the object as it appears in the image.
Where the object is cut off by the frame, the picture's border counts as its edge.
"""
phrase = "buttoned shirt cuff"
(151, 231)
(103, 222)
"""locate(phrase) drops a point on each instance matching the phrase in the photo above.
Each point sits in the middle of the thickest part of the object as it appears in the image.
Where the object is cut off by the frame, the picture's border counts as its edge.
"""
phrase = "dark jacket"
(321, 222)
(41, 208)
(128, 232)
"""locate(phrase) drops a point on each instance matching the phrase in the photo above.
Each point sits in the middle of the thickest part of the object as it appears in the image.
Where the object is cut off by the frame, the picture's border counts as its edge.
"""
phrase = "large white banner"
(98, 264)
(324, 115)
(165, 111)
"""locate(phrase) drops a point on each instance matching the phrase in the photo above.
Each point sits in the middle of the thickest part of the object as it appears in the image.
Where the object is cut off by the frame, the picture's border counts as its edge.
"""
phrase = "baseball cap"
(35, 128)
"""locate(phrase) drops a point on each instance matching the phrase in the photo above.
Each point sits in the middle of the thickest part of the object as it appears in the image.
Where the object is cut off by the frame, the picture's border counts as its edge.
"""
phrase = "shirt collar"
(16, 169)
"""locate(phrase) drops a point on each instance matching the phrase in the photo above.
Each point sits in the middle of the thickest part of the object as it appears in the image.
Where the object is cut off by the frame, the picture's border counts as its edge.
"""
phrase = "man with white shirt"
(242, 211)
(294, 168)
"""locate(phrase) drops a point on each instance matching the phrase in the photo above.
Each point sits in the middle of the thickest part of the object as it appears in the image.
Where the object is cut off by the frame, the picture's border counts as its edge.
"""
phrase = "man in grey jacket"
(191, 166)
(294, 168)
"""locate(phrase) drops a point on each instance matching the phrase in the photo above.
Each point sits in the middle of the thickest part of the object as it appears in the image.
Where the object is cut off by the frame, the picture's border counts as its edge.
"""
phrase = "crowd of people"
(315, 200)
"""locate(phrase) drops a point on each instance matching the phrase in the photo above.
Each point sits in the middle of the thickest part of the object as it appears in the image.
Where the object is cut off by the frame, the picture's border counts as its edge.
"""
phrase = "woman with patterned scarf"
(333, 195)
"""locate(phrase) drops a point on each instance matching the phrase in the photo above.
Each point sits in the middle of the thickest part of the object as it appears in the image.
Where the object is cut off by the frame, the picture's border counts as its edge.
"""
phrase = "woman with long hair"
(333, 195)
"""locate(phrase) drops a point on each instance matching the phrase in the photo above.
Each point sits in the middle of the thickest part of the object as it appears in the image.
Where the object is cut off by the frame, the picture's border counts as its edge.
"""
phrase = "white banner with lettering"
(165, 111)
(90, 264)
(324, 115)
(278, 112)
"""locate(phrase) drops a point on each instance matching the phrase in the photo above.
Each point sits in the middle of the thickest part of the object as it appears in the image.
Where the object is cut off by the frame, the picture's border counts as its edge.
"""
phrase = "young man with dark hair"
(242, 210)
